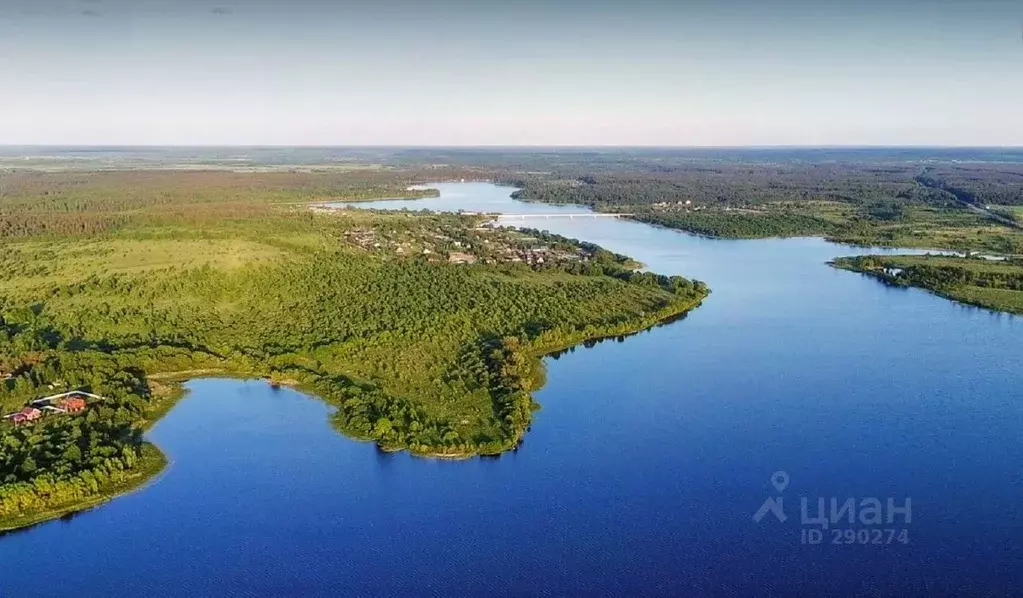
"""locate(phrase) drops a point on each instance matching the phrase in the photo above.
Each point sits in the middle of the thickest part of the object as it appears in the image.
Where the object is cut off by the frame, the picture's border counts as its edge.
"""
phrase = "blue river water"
(641, 473)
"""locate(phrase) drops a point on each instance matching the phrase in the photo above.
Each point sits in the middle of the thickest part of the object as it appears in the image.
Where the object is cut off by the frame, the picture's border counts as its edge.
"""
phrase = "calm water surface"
(640, 475)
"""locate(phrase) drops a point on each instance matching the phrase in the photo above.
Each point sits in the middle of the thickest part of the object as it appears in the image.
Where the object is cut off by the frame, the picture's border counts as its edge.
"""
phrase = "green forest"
(878, 201)
(992, 284)
(116, 281)
(425, 331)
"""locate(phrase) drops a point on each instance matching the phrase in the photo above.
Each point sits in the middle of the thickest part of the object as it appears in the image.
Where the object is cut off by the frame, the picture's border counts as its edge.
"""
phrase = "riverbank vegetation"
(865, 200)
(424, 330)
(996, 285)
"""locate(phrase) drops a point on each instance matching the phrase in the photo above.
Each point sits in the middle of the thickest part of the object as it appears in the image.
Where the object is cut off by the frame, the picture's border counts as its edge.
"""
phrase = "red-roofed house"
(73, 404)
(26, 415)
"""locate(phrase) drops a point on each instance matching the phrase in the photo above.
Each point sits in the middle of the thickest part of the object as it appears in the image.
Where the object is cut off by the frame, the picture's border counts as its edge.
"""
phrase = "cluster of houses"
(457, 257)
(489, 243)
(433, 247)
(665, 204)
(540, 255)
(75, 401)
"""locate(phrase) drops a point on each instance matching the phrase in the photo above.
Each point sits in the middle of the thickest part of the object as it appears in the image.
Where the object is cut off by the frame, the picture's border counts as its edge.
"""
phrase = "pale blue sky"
(535, 72)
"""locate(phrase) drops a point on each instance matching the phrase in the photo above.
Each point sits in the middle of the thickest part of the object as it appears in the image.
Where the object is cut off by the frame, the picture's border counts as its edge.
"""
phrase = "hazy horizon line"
(502, 146)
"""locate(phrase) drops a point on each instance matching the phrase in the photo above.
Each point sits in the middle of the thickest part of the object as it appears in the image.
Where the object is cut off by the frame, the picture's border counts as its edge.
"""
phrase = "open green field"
(985, 283)
(424, 330)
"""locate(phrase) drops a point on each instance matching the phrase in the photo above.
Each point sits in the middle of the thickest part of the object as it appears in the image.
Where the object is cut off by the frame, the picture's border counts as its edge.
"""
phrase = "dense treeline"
(998, 184)
(743, 226)
(89, 203)
(864, 201)
(950, 276)
(993, 284)
(724, 185)
(946, 273)
(66, 458)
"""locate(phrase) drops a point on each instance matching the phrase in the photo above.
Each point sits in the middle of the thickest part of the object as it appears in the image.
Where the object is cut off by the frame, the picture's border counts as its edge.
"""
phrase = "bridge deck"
(562, 215)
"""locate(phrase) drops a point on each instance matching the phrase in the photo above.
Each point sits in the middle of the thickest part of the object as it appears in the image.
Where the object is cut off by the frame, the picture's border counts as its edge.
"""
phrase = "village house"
(26, 415)
(72, 405)
(69, 402)
(75, 401)
(461, 258)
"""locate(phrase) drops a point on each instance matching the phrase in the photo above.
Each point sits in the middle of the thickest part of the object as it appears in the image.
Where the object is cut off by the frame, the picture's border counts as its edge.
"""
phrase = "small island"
(995, 284)
(425, 331)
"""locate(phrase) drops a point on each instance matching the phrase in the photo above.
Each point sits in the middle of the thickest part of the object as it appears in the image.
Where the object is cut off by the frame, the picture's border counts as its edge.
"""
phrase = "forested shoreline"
(883, 201)
(994, 285)
(425, 331)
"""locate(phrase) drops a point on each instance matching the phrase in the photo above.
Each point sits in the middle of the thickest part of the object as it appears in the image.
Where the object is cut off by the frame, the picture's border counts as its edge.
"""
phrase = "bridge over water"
(561, 215)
